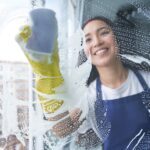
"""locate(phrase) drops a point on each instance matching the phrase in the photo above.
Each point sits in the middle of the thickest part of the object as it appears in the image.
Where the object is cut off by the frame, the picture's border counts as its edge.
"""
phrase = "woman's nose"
(98, 41)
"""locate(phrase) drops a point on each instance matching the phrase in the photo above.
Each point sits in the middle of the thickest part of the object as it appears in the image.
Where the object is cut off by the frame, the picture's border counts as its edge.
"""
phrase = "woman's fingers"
(75, 114)
(58, 117)
(65, 123)
(63, 128)
(69, 124)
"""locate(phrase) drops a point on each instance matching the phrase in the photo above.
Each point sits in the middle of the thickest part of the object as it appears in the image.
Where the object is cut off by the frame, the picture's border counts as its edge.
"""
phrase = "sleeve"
(86, 137)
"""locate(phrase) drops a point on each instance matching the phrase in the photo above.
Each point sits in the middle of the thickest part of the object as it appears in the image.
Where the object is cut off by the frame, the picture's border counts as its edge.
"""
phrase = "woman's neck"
(113, 76)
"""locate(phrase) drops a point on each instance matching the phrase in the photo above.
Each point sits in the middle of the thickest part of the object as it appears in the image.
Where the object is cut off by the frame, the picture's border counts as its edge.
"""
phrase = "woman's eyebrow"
(106, 27)
(99, 29)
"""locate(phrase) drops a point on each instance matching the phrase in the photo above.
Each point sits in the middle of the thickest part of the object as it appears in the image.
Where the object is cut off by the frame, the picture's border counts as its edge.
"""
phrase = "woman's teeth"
(101, 51)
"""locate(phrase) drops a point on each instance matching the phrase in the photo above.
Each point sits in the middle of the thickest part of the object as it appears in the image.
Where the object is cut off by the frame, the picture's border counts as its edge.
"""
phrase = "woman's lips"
(101, 51)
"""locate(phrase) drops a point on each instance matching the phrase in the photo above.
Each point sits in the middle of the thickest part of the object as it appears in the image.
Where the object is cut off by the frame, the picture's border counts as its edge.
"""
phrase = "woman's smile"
(101, 51)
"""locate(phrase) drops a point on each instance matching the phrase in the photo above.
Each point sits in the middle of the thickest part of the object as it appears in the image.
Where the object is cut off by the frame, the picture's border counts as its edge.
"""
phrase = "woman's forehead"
(94, 25)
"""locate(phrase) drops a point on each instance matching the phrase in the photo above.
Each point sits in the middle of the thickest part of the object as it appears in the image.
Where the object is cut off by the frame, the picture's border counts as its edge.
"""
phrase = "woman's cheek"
(87, 51)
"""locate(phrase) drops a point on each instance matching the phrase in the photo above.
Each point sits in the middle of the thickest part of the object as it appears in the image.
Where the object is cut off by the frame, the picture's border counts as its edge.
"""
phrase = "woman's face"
(100, 43)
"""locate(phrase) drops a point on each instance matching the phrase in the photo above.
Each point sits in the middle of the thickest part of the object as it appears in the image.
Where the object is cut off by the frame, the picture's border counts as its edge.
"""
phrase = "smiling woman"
(116, 95)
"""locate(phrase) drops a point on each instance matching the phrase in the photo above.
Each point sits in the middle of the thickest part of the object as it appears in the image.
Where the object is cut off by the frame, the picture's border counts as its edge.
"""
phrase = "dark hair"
(93, 75)
(107, 21)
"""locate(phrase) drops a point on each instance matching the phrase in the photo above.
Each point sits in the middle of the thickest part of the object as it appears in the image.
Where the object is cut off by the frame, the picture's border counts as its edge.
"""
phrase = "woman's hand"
(69, 124)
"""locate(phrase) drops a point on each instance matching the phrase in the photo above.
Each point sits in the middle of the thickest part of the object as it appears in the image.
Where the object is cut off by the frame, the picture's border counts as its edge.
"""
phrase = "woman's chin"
(102, 63)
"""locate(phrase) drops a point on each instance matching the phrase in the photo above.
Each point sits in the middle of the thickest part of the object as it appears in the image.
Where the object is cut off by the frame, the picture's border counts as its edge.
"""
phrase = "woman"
(118, 96)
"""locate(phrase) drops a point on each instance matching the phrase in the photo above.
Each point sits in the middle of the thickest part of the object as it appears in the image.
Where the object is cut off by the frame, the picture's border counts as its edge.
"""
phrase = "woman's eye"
(87, 40)
(104, 32)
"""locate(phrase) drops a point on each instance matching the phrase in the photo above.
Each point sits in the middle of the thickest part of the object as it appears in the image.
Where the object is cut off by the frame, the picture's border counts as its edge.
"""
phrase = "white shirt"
(130, 87)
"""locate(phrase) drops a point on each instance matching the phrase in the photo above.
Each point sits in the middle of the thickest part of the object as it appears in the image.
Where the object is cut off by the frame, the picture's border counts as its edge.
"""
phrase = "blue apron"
(129, 119)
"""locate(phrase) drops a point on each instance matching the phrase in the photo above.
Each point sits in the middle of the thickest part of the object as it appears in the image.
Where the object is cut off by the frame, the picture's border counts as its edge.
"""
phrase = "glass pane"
(68, 82)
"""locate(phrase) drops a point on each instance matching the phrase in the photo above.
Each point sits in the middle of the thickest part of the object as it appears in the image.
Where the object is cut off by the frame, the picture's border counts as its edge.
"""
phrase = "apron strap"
(141, 79)
(98, 89)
